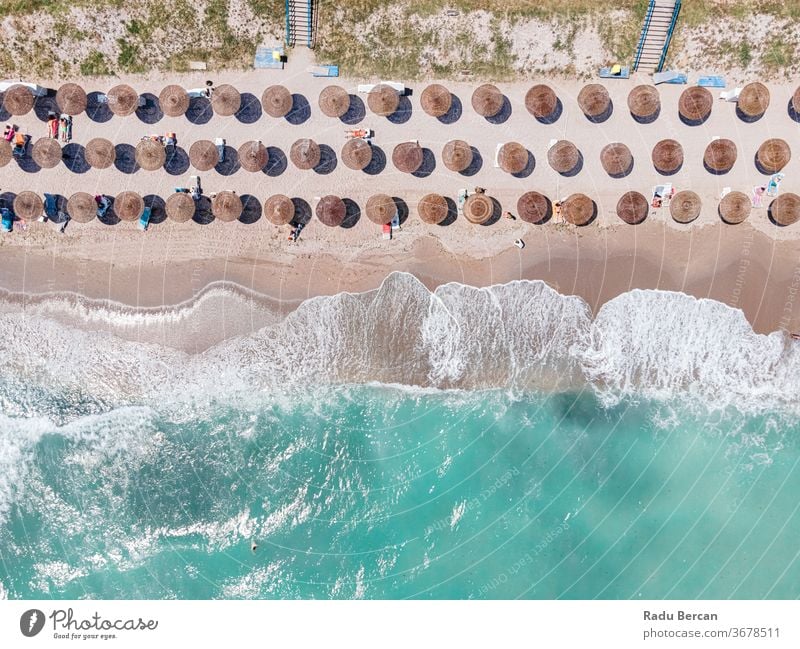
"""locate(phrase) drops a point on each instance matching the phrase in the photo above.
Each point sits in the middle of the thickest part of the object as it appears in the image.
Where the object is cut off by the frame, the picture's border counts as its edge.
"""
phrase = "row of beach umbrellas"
(457, 155)
(644, 102)
(532, 207)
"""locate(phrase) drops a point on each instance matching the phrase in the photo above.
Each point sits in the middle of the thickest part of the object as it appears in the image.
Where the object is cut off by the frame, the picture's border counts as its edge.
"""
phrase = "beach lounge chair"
(387, 231)
(711, 81)
(7, 219)
(103, 204)
(497, 154)
(773, 185)
(50, 207)
(615, 72)
(324, 70)
(144, 219)
(758, 195)
(730, 95)
(199, 92)
(462, 198)
(662, 195)
(220, 142)
(267, 57)
(670, 76)
(20, 145)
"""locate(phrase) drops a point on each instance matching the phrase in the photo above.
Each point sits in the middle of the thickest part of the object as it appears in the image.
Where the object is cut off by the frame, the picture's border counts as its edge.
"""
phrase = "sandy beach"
(753, 266)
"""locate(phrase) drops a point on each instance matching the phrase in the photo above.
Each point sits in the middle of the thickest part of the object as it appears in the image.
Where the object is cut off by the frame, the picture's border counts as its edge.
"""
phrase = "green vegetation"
(95, 65)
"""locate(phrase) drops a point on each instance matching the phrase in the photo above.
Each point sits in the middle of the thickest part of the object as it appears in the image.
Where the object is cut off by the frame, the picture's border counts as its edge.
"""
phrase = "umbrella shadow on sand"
(158, 207)
(352, 214)
(202, 212)
(125, 159)
(251, 209)
(502, 116)
(151, 112)
(276, 162)
(455, 111)
(250, 110)
(74, 156)
(230, 165)
(302, 212)
(428, 164)
(327, 160)
(300, 111)
(356, 112)
(45, 106)
(177, 162)
(97, 110)
(378, 162)
(199, 111)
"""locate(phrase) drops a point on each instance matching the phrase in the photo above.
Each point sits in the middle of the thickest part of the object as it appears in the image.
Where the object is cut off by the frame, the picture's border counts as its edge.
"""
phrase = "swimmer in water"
(253, 547)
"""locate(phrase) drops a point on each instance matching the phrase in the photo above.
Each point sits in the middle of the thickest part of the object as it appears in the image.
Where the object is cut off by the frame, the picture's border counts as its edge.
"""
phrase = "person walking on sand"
(510, 216)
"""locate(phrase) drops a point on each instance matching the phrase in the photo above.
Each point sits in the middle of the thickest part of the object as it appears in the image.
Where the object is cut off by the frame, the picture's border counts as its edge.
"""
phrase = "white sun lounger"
(37, 91)
(367, 87)
(730, 95)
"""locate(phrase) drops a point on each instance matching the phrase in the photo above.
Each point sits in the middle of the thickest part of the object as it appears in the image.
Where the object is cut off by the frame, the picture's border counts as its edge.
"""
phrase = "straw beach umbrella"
(334, 101)
(433, 209)
(578, 209)
(225, 100)
(253, 156)
(81, 207)
(796, 100)
(695, 104)
(174, 100)
(541, 101)
(785, 210)
(720, 156)
(407, 157)
(279, 209)
(644, 102)
(685, 206)
(513, 157)
(123, 100)
(436, 100)
(563, 156)
(487, 100)
(381, 209)
(150, 155)
(305, 154)
(18, 100)
(534, 207)
(667, 156)
(357, 154)
(478, 208)
(100, 153)
(180, 207)
(128, 206)
(632, 208)
(277, 101)
(203, 155)
(616, 159)
(46, 152)
(71, 99)
(383, 100)
(457, 155)
(735, 207)
(753, 100)
(5, 152)
(594, 100)
(28, 206)
(773, 155)
(226, 206)
(331, 210)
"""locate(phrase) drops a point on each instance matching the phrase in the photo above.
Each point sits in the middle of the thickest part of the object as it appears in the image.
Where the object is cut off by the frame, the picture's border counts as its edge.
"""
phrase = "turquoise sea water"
(362, 489)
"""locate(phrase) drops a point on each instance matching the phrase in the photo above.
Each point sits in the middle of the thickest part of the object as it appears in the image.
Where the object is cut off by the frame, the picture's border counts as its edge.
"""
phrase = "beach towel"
(711, 81)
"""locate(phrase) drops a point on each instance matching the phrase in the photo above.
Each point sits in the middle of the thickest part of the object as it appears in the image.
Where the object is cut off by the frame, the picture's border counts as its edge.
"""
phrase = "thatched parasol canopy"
(594, 100)
(305, 153)
(226, 206)
(644, 101)
(513, 157)
(534, 207)
(457, 155)
(279, 209)
(81, 207)
(123, 100)
(436, 100)
(150, 155)
(487, 100)
(18, 100)
(277, 101)
(46, 152)
(433, 209)
(180, 207)
(753, 99)
(253, 156)
(541, 101)
(773, 155)
(407, 157)
(695, 104)
(616, 159)
(381, 209)
(334, 101)
(28, 206)
(720, 155)
(203, 155)
(71, 99)
(383, 100)
(128, 206)
(357, 153)
(478, 208)
(735, 207)
(796, 100)
(685, 206)
(174, 100)
(667, 156)
(632, 208)
(563, 156)
(331, 210)
(785, 210)
(578, 209)
(100, 153)
(5, 152)
(225, 100)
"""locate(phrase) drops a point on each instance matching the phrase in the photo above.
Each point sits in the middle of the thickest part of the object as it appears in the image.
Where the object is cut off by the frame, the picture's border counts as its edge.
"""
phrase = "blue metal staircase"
(300, 22)
(659, 24)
